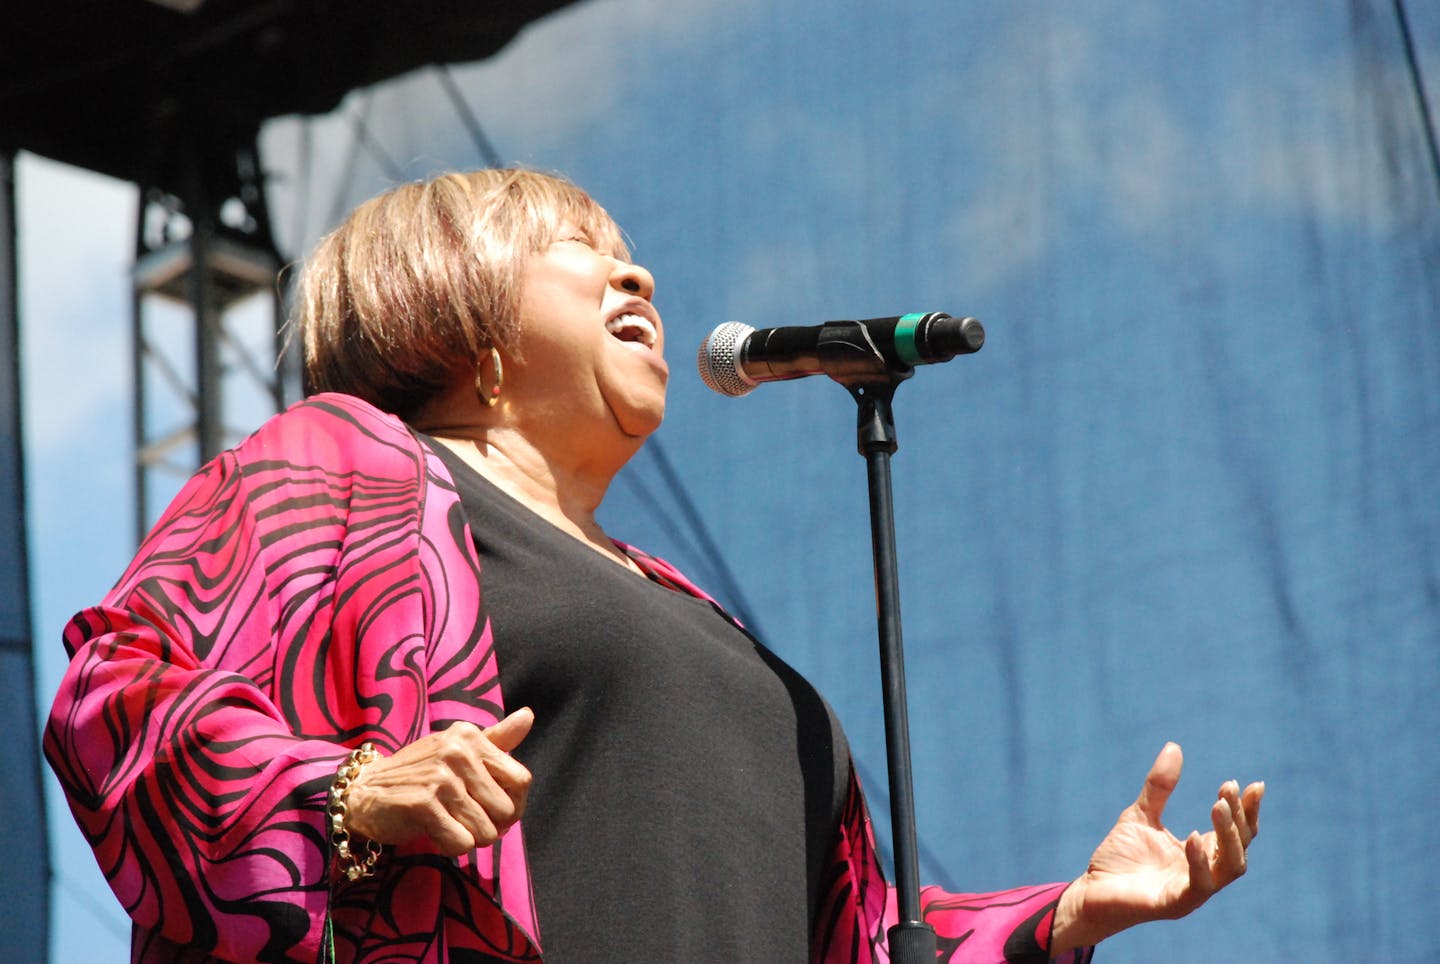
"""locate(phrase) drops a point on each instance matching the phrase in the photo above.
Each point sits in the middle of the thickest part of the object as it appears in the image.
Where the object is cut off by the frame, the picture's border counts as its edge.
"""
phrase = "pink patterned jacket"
(311, 589)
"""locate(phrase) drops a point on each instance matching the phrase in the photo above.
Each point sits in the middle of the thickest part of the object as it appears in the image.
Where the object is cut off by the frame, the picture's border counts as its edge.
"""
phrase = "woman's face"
(591, 343)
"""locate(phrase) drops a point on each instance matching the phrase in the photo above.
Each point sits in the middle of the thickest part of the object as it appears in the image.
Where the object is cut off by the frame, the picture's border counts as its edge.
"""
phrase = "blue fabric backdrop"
(1183, 493)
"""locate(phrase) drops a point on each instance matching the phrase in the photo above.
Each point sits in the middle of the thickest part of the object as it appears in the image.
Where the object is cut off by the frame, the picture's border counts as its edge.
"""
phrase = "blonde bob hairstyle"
(405, 296)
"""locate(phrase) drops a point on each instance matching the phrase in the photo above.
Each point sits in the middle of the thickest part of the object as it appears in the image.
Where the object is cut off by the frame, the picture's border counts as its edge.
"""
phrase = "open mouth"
(632, 328)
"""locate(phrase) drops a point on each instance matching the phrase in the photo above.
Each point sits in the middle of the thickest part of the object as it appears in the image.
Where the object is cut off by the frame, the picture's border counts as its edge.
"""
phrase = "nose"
(633, 279)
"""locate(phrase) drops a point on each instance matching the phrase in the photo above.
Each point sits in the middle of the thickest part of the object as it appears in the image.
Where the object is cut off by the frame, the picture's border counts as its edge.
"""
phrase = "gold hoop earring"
(492, 395)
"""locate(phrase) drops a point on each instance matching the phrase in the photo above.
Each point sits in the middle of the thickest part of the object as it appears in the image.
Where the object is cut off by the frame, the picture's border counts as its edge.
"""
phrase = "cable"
(652, 501)
(362, 135)
(1417, 81)
(726, 579)
(103, 913)
(487, 151)
(876, 788)
(342, 191)
(305, 161)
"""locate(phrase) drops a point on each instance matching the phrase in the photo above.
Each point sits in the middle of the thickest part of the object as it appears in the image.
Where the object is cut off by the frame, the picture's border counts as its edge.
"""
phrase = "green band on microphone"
(905, 338)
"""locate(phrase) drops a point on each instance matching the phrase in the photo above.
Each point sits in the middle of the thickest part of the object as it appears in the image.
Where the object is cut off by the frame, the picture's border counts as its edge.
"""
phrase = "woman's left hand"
(1142, 872)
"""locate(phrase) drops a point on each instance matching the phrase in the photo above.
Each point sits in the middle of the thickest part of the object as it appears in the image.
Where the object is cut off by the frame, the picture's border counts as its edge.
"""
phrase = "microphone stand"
(849, 356)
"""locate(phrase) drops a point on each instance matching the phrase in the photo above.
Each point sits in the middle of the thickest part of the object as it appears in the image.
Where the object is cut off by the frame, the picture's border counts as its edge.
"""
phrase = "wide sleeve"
(212, 695)
(858, 909)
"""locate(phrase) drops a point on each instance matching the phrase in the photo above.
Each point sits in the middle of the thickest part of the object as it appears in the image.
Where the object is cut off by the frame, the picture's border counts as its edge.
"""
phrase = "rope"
(483, 147)
(1417, 81)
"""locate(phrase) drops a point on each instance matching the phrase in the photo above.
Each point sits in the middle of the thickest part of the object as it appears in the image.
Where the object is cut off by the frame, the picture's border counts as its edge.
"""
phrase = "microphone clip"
(849, 355)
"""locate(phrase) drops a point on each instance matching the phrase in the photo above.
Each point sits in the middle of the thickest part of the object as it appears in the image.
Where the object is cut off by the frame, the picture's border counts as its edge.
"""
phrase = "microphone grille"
(719, 359)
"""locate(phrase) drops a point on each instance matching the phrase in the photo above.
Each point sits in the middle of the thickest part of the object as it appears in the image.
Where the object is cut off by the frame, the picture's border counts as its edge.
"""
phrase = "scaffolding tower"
(208, 356)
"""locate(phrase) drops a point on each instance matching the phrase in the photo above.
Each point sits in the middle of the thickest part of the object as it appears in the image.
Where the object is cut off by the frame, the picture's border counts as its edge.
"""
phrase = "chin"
(640, 425)
(644, 431)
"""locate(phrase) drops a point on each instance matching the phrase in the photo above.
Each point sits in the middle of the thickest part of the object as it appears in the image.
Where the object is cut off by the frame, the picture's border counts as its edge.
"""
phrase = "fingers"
(508, 733)
(1254, 793)
(1160, 783)
(1202, 878)
(1244, 808)
(493, 786)
(1230, 843)
(1236, 818)
(1230, 797)
(457, 825)
(459, 787)
(477, 793)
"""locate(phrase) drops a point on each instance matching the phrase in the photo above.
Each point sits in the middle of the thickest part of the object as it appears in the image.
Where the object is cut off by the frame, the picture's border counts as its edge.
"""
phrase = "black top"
(687, 783)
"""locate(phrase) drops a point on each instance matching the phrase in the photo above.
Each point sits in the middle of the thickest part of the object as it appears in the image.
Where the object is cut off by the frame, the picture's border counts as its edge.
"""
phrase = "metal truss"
(208, 344)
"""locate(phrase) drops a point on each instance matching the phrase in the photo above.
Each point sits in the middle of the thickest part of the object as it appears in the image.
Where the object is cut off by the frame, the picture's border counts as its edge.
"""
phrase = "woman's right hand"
(459, 787)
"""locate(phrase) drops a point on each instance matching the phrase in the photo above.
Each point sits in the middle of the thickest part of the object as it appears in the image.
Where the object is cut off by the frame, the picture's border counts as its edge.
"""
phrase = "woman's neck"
(567, 496)
(542, 459)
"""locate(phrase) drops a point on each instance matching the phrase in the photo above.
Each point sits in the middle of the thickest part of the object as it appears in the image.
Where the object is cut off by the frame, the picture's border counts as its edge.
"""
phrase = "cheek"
(551, 345)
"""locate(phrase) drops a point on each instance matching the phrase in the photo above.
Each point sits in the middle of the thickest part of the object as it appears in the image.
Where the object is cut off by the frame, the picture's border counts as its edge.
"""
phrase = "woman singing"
(361, 645)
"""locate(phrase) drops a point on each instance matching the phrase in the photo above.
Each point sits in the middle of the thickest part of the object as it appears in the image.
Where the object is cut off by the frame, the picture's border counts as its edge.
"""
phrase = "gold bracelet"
(355, 866)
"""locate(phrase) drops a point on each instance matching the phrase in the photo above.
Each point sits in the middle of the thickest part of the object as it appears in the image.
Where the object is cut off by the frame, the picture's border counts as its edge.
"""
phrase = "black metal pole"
(911, 940)
(870, 371)
(25, 890)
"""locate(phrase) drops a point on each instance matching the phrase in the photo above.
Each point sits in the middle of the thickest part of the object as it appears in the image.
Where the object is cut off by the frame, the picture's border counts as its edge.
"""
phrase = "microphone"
(735, 357)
